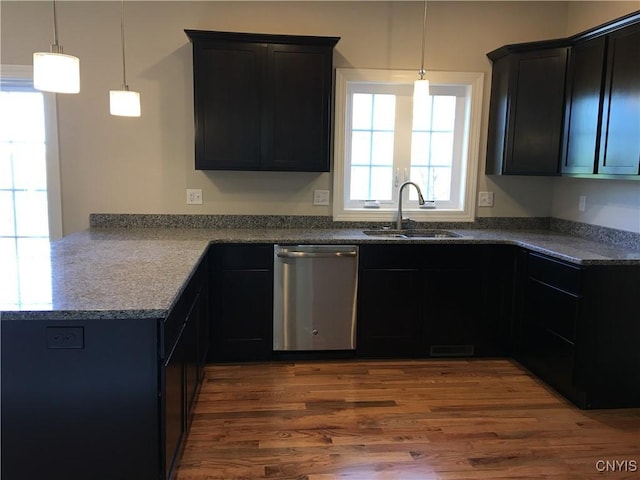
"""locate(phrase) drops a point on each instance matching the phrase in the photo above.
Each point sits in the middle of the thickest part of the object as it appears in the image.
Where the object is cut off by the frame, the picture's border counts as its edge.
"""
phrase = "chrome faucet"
(420, 201)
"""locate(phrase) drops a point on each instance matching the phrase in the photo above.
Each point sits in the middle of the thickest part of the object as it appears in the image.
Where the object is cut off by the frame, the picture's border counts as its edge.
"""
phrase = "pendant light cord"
(55, 48)
(424, 32)
(124, 68)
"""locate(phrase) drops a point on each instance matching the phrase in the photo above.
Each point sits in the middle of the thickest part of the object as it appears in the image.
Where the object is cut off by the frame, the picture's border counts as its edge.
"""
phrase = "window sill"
(389, 215)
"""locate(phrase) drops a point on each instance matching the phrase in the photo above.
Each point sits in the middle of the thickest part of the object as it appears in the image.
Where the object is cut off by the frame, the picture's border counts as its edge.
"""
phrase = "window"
(29, 188)
(379, 145)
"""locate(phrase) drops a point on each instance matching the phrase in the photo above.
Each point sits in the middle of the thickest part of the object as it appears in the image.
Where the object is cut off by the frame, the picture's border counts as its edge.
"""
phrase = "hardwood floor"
(400, 420)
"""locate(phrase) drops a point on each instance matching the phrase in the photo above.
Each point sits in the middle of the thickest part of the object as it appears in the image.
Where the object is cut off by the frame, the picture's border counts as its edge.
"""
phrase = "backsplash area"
(592, 232)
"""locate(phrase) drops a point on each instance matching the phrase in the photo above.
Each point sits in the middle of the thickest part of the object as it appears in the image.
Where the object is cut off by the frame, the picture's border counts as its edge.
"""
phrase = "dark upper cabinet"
(577, 116)
(583, 107)
(262, 102)
(620, 131)
(602, 116)
(526, 109)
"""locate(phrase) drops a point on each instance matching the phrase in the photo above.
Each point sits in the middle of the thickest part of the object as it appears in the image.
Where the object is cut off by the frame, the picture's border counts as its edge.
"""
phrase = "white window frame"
(23, 74)
(472, 82)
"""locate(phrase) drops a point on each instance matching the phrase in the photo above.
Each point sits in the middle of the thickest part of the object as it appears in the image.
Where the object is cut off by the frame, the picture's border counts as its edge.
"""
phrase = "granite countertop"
(140, 272)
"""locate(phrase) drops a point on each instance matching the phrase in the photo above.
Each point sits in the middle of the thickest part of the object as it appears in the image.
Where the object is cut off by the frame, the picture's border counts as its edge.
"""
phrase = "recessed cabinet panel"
(228, 94)
(389, 314)
(535, 122)
(620, 135)
(299, 116)
(583, 111)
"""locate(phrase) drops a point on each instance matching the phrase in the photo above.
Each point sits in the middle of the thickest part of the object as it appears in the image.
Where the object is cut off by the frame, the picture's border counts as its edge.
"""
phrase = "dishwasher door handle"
(294, 254)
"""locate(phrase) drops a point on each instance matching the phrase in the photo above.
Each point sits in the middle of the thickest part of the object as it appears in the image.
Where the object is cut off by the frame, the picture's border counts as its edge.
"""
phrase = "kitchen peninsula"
(105, 373)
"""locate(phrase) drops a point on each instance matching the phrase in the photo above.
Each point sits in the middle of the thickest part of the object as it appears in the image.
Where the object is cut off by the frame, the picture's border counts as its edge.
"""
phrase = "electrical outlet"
(65, 337)
(485, 199)
(582, 203)
(321, 197)
(194, 196)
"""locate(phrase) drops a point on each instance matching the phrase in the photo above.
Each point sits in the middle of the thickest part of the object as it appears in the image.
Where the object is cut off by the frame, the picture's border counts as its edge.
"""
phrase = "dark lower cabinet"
(101, 398)
(182, 371)
(80, 399)
(389, 312)
(577, 329)
(428, 301)
(242, 302)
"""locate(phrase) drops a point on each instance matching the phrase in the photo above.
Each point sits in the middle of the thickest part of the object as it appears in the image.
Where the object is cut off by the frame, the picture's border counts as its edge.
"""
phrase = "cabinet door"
(191, 363)
(548, 336)
(389, 315)
(620, 134)
(174, 403)
(583, 107)
(297, 108)
(228, 79)
(242, 328)
(535, 112)
(453, 311)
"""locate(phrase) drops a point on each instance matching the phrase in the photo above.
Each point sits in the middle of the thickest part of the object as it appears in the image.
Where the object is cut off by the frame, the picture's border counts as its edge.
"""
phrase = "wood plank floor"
(400, 420)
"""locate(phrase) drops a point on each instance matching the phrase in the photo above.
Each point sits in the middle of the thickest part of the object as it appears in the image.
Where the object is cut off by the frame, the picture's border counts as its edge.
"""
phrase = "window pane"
(6, 173)
(382, 153)
(21, 117)
(361, 148)
(32, 215)
(441, 149)
(444, 112)
(9, 277)
(7, 221)
(34, 255)
(384, 113)
(29, 166)
(420, 148)
(381, 183)
(361, 113)
(423, 123)
(442, 183)
(359, 188)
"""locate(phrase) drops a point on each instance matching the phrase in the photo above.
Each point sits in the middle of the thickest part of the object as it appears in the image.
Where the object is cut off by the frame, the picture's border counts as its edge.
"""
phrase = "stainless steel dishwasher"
(314, 304)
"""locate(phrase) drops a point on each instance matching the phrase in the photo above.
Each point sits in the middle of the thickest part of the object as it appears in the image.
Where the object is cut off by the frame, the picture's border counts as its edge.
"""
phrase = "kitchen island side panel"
(79, 399)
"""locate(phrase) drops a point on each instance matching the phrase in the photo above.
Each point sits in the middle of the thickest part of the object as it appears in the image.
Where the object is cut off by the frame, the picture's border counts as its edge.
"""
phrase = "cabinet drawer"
(554, 273)
(244, 256)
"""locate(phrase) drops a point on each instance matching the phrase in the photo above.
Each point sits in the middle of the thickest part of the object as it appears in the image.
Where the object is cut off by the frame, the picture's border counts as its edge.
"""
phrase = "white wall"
(143, 165)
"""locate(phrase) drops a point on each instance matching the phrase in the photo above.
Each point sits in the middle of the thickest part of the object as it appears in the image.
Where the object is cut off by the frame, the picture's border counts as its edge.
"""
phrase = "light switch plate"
(194, 196)
(485, 199)
(321, 197)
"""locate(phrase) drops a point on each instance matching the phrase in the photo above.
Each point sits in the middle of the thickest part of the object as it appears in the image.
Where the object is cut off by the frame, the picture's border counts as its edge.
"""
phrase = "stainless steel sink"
(412, 233)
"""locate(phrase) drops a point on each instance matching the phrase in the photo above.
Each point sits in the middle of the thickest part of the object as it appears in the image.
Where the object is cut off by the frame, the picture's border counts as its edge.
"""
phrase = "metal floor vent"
(451, 350)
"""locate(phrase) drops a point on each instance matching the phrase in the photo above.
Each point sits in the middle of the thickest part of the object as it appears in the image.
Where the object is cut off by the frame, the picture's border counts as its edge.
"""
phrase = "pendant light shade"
(54, 71)
(124, 102)
(420, 102)
(421, 86)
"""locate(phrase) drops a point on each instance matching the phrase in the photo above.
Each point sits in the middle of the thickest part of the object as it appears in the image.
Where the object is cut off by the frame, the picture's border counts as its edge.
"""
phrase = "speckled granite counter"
(140, 272)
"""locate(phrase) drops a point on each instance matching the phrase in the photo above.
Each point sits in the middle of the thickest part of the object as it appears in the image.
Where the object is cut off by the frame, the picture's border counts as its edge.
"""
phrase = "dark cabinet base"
(88, 411)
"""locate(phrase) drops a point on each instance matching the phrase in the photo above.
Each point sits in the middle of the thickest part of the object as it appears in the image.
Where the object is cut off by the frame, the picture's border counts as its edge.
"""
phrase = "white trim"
(53, 154)
(472, 80)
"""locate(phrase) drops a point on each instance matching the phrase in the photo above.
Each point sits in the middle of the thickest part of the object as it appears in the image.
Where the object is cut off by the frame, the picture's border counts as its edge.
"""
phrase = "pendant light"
(124, 102)
(421, 86)
(54, 71)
